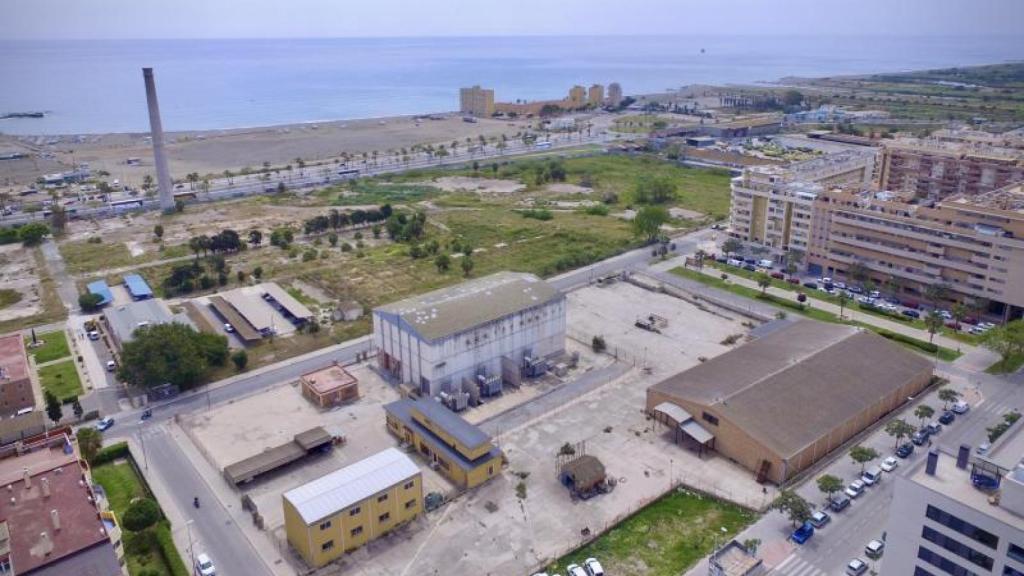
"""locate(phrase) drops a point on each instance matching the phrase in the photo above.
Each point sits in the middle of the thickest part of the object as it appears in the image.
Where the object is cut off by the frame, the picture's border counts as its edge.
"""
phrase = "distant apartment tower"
(935, 168)
(577, 97)
(156, 130)
(614, 94)
(774, 206)
(476, 101)
(959, 513)
(974, 245)
(595, 95)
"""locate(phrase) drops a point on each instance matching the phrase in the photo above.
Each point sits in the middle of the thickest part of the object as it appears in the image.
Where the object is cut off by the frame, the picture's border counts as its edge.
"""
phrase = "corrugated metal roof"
(125, 320)
(352, 484)
(464, 306)
(137, 286)
(674, 412)
(696, 431)
(293, 306)
(100, 287)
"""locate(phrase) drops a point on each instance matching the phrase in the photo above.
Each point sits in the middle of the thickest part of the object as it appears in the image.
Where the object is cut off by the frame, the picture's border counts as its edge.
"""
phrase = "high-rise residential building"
(577, 97)
(951, 163)
(774, 206)
(974, 245)
(16, 392)
(595, 95)
(614, 94)
(959, 513)
(476, 101)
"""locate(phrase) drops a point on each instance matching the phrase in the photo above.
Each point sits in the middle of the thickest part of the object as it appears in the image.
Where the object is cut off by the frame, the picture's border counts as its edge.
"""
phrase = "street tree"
(90, 440)
(53, 407)
(857, 271)
(763, 282)
(936, 293)
(842, 298)
(467, 266)
(948, 395)
(899, 429)
(933, 322)
(829, 485)
(240, 359)
(141, 514)
(924, 412)
(171, 353)
(731, 246)
(648, 221)
(862, 455)
(32, 234)
(793, 505)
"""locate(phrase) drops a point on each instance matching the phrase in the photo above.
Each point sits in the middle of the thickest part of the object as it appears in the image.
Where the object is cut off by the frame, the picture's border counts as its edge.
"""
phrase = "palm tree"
(948, 395)
(898, 429)
(924, 412)
(842, 298)
(763, 282)
(959, 312)
(933, 322)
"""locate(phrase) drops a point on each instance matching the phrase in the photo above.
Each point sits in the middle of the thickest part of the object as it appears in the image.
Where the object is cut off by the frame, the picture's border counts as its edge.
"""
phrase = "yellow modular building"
(347, 508)
(462, 452)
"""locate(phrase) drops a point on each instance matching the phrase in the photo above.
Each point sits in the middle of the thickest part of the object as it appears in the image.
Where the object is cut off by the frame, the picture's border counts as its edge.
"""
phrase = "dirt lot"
(480, 185)
(17, 272)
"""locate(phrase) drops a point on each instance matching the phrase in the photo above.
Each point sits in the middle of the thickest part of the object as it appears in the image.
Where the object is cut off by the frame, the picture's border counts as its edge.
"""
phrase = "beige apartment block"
(595, 95)
(476, 101)
(952, 163)
(972, 244)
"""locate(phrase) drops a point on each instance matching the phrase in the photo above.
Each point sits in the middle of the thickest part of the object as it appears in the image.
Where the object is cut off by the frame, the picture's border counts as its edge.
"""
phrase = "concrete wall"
(441, 365)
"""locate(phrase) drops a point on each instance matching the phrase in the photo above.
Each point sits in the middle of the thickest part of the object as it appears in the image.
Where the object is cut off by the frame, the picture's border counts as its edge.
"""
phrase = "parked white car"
(593, 567)
(961, 407)
(204, 566)
(855, 489)
(575, 570)
(889, 464)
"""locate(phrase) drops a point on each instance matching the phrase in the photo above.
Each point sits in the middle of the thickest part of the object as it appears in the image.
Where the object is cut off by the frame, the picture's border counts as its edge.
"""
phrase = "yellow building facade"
(345, 509)
(463, 453)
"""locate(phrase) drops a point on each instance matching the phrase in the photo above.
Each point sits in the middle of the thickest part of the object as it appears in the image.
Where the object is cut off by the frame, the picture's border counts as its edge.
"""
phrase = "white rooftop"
(354, 483)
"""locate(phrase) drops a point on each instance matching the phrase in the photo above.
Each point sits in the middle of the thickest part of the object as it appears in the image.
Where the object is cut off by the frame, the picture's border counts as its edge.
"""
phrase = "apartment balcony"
(937, 235)
(927, 259)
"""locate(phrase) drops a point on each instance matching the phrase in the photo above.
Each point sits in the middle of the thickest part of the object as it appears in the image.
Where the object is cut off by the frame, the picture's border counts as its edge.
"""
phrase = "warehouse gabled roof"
(793, 386)
(286, 300)
(464, 306)
(352, 484)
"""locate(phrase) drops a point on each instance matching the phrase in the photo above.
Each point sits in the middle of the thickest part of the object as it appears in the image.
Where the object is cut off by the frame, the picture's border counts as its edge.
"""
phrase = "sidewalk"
(850, 312)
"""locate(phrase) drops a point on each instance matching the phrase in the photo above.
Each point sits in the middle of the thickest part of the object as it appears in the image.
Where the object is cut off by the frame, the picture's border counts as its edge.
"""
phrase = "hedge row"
(929, 347)
(169, 551)
(111, 453)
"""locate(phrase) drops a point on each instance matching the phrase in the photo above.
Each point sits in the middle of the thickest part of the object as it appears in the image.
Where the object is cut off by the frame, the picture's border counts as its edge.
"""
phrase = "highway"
(315, 176)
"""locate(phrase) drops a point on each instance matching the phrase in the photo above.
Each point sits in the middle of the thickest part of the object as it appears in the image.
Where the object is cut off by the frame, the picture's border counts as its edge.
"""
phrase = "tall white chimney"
(46, 487)
(156, 130)
(55, 517)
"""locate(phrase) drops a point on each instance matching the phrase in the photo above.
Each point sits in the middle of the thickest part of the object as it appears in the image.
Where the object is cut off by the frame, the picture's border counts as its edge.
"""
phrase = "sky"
(129, 19)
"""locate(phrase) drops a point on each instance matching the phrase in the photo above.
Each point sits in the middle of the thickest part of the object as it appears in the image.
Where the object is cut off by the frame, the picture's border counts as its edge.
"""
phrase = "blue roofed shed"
(101, 289)
(137, 287)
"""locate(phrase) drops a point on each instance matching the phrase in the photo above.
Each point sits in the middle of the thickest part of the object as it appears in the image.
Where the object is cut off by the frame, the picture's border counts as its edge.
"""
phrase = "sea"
(91, 87)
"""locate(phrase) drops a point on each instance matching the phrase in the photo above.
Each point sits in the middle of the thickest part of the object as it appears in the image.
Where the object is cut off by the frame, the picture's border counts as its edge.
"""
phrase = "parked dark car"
(811, 285)
(912, 313)
(920, 437)
(750, 267)
(793, 280)
(855, 289)
(803, 533)
(839, 502)
(905, 450)
(778, 275)
(947, 417)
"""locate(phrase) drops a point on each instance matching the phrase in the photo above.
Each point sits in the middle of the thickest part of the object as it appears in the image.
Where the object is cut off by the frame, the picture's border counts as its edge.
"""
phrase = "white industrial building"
(490, 329)
(960, 513)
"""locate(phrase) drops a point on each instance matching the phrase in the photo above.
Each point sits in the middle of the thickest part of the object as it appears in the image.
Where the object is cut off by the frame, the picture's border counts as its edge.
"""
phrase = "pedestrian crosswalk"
(794, 565)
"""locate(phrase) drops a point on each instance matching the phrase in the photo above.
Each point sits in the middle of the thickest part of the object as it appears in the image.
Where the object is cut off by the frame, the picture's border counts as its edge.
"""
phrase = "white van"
(872, 475)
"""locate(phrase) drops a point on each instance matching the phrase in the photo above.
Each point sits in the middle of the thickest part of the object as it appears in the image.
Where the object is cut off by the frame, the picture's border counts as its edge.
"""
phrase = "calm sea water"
(96, 86)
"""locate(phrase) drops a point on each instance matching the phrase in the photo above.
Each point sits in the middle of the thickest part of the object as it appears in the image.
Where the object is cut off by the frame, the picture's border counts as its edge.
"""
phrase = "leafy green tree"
(53, 408)
(731, 246)
(89, 302)
(648, 221)
(948, 396)
(240, 359)
(90, 440)
(793, 505)
(158, 231)
(443, 262)
(654, 190)
(257, 272)
(792, 98)
(76, 408)
(829, 485)
(467, 266)
(924, 412)
(843, 299)
(898, 429)
(32, 234)
(763, 282)
(862, 455)
(141, 514)
(933, 323)
(959, 312)
(857, 272)
(171, 353)
(332, 239)
(936, 293)
(751, 545)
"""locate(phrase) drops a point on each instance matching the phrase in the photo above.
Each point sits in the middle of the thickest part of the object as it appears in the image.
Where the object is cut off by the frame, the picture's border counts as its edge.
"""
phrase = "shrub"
(598, 344)
(537, 214)
(169, 551)
(111, 453)
(141, 514)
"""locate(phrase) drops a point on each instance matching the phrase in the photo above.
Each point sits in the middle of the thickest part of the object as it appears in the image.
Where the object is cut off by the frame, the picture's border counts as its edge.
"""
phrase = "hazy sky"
(339, 18)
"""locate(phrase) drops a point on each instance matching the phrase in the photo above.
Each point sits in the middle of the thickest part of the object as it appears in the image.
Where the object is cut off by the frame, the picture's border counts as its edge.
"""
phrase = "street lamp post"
(191, 553)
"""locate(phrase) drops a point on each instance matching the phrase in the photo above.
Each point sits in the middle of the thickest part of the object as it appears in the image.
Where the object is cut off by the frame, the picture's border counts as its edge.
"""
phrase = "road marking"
(792, 556)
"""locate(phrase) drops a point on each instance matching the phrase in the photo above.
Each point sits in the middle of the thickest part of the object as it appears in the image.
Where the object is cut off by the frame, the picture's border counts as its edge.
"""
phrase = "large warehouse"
(436, 340)
(780, 403)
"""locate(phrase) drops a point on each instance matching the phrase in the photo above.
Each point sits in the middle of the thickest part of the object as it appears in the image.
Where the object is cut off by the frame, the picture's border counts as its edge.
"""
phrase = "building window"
(382, 498)
(355, 511)
(918, 571)
(1016, 552)
(408, 485)
(710, 418)
(966, 528)
(384, 517)
(1010, 571)
(325, 525)
(942, 563)
(410, 504)
(961, 550)
(327, 545)
(356, 531)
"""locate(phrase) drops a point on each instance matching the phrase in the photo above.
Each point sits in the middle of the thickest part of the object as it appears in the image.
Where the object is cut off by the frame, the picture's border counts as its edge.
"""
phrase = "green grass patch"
(85, 256)
(301, 296)
(121, 484)
(915, 344)
(61, 379)
(55, 346)
(665, 538)
(9, 297)
(377, 192)
(1007, 366)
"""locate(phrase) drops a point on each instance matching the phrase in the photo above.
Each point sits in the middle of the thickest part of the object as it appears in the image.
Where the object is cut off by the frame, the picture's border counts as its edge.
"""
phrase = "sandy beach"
(213, 151)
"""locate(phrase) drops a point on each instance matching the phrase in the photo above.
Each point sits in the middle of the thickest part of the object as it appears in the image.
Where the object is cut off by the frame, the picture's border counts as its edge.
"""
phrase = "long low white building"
(437, 340)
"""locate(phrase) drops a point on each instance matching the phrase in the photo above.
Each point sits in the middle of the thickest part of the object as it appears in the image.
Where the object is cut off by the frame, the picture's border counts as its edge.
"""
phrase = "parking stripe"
(804, 569)
(792, 556)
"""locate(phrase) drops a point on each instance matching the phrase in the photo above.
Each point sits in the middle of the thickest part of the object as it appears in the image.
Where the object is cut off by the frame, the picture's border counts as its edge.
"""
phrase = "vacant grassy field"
(55, 346)
(122, 485)
(665, 538)
(53, 308)
(9, 297)
(1007, 366)
(84, 256)
(61, 379)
